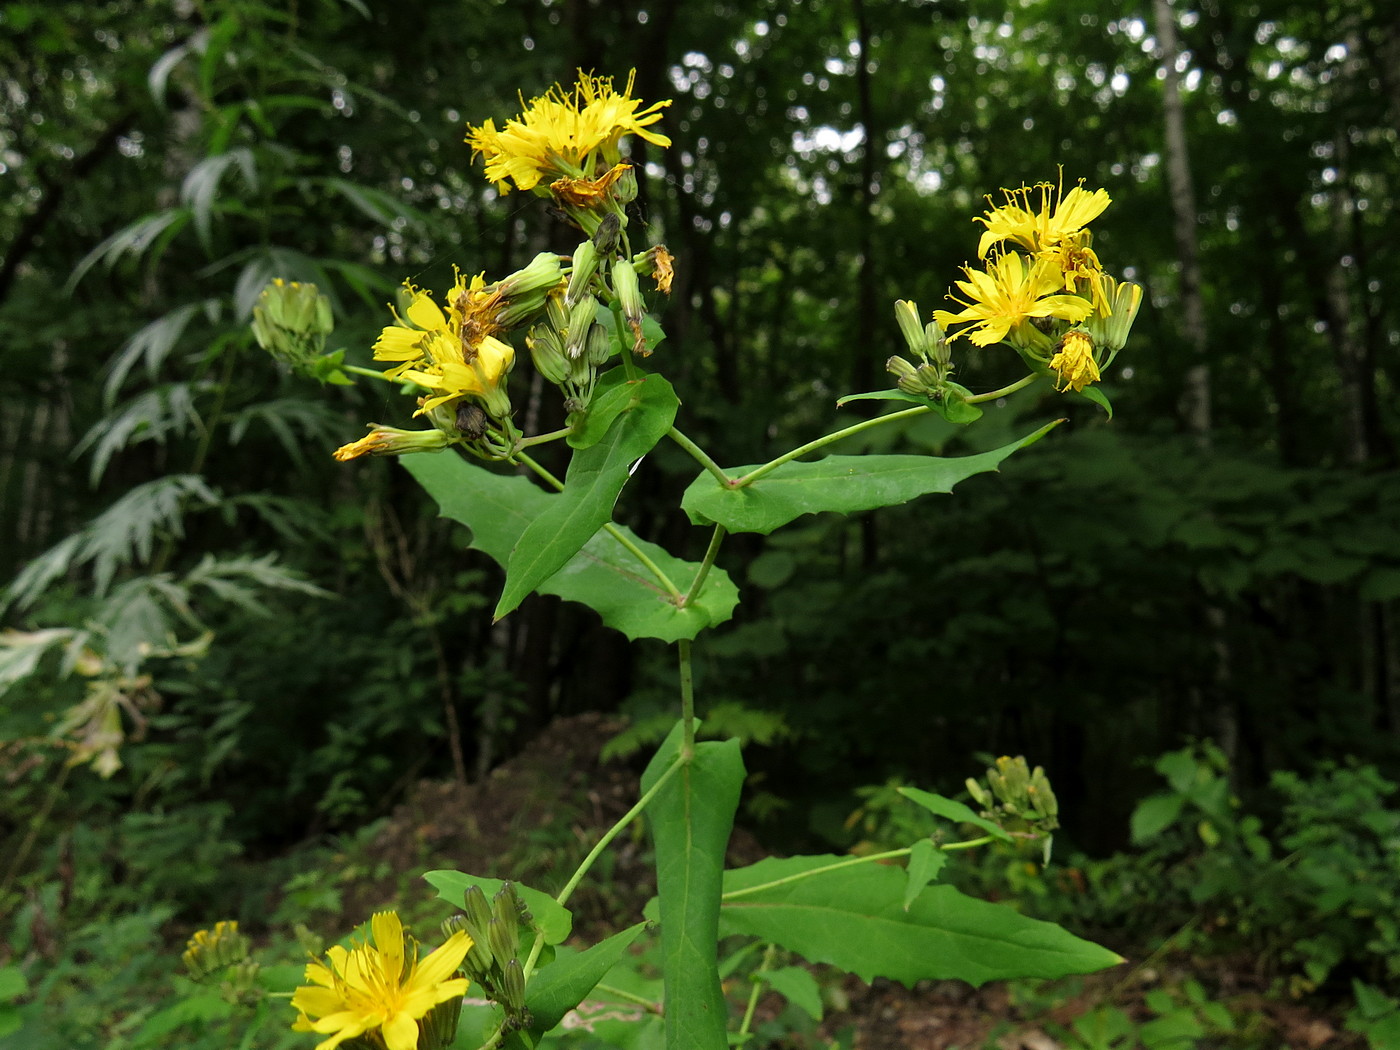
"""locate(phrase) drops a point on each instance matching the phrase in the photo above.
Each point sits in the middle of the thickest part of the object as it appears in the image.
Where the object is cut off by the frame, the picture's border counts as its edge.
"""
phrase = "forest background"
(266, 650)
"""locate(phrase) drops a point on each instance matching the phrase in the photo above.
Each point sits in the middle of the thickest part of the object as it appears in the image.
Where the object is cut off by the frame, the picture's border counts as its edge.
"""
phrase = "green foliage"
(836, 483)
(603, 575)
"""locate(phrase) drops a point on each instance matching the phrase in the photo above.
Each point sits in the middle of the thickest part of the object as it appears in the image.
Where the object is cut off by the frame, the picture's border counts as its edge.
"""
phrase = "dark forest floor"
(536, 816)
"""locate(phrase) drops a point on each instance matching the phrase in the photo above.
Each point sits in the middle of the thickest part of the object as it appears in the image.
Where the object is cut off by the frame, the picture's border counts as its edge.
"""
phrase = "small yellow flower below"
(1074, 363)
(376, 987)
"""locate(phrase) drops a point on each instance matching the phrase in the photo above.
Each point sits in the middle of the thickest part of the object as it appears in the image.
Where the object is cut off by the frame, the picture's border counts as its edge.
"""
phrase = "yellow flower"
(559, 133)
(1074, 363)
(454, 352)
(1044, 227)
(391, 441)
(1011, 290)
(376, 987)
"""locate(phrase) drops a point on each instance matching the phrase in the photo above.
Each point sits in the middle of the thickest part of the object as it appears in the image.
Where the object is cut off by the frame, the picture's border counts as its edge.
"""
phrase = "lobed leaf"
(594, 480)
(837, 483)
(853, 917)
(691, 818)
(603, 575)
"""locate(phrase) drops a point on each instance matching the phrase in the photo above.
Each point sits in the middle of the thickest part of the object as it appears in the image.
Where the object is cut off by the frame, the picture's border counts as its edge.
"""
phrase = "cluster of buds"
(225, 955)
(1018, 798)
(929, 345)
(291, 321)
(494, 959)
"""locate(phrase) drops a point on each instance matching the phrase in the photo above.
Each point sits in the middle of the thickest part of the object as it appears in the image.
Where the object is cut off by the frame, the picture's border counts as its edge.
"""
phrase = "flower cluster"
(1041, 287)
(565, 145)
(380, 989)
(563, 136)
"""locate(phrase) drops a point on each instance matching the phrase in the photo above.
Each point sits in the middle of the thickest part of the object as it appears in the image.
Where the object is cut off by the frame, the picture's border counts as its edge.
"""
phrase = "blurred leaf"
(852, 916)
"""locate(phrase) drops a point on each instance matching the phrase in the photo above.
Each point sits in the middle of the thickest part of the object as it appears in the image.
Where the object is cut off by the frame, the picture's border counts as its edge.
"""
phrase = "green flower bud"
(600, 345)
(547, 352)
(438, 1027)
(625, 188)
(607, 235)
(585, 266)
(478, 911)
(1111, 331)
(580, 321)
(503, 938)
(629, 294)
(542, 274)
(556, 312)
(512, 988)
(291, 321)
(906, 313)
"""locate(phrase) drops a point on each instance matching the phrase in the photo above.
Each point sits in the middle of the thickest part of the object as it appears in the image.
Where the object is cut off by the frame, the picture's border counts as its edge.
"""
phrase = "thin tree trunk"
(1195, 395)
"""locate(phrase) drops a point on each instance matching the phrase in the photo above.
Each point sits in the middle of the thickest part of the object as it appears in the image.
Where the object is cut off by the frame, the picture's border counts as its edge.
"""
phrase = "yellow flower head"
(1046, 226)
(454, 351)
(378, 987)
(1074, 363)
(1011, 290)
(561, 134)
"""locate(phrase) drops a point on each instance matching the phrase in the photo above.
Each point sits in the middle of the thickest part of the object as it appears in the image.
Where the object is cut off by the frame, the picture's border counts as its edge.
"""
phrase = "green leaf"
(838, 483)
(925, 862)
(951, 809)
(552, 919)
(591, 487)
(566, 982)
(691, 818)
(611, 397)
(885, 395)
(798, 987)
(1098, 397)
(604, 575)
(852, 916)
(954, 409)
(1153, 815)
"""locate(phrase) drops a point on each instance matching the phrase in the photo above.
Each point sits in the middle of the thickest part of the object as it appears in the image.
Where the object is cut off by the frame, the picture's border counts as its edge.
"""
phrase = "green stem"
(969, 844)
(652, 1007)
(359, 371)
(699, 455)
(1020, 384)
(687, 701)
(540, 439)
(624, 349)
(849, 862)
(769, 954)
(812, 446)
(616, 533)
(597, 851)
(716, 538)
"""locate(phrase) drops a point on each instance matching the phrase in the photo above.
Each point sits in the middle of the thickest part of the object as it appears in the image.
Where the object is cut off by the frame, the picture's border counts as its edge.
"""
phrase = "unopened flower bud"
(556, 312)
(542, 274)
(599, 345)
(580, 321)
(625, 188)
(291, 321)
(547, 352)
(1123, 299)
(585, 266)
(478, 911)
(609, 231)
(503, 938)
(512, 988)
(906, 313)
(629, 294)
(391, 441)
